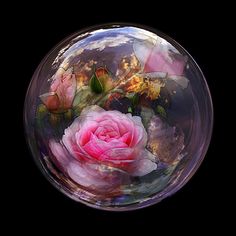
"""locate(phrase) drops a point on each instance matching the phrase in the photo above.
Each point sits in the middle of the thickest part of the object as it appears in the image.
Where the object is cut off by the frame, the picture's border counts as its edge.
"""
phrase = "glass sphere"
(118, 117)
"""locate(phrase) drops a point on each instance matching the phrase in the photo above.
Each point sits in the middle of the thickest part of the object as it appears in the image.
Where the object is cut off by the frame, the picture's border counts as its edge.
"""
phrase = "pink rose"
(159, 58)
(102, 149)
(62, 92)
(162, 60)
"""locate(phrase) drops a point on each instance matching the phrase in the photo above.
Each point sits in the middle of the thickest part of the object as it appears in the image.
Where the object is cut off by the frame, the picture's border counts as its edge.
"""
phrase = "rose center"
(106, 133)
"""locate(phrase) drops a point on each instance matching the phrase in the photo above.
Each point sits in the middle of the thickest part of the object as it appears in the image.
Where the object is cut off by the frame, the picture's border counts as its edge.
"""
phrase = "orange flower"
(150, 87)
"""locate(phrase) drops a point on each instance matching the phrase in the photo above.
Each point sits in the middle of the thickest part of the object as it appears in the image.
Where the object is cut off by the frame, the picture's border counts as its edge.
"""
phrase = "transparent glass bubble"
(118, 117)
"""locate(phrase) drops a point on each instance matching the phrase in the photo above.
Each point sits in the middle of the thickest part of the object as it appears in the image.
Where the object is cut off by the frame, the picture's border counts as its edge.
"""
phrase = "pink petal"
(139, 137)
(80, 175)
(75, 150)
(144, 167)
(70, 92)
(70, 142)
(109, 124)
(65, 87)
(144, 164)
(61, 156)
(90, 176)
(123, 123)
(118, 154)
(142, 50)
(55, 83)
(160, 60)
(87, 128)
(126, 138)
(96, 147)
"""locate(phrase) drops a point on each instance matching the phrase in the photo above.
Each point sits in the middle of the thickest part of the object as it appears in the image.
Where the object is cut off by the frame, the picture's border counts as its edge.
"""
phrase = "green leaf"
(82, 99)
(82, 96)
(135, 100)
(130, 110)
(161, 111)
(100, 101)
(95, 84)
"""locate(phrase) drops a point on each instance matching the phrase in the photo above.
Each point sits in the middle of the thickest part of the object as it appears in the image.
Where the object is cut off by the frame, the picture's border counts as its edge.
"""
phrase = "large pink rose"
(62, 92)
(102, 148)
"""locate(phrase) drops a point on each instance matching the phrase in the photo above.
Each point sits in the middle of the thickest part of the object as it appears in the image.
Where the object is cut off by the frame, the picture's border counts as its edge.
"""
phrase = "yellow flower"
(135, 84)
(154, 89)
(82, 79)
(150, 87)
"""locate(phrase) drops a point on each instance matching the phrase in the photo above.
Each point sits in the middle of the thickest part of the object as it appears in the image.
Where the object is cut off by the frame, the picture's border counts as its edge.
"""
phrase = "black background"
(36, 28)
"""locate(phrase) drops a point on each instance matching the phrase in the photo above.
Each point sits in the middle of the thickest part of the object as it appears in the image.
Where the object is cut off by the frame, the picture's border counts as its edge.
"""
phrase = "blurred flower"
(81, 79)
(164, 141)
(128, 66)
(159, 58)
(138, 84)
(62, 92)
(162, 60)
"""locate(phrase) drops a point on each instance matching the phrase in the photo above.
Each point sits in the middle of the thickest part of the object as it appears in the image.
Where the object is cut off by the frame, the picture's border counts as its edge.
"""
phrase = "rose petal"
(160, 59)
(123, 126)
(123, 122)
(80, 175)
(109, 124)
(96, 147)
(68, 138)
(144, 167)
(139, 138)
(56, 82)
(75, 149)
(118, 154)
(70, 90)
(126, 138)
(92, 176)
(64, 85)
(70, 142)
(87, 128)
(142, 50)
(61, 156)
